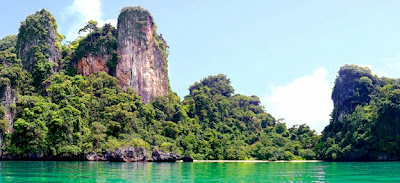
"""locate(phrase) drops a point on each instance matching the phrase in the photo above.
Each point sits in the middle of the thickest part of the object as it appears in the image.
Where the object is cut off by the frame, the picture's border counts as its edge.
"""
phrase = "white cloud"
(80, 12)
(306, 100)
(388, 67)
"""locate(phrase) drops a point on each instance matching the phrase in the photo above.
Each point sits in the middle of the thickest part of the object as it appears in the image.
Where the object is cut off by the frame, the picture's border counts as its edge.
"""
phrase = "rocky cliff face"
(142, 63)
(366, 118)
(97, 52)
(92, 64)
(127, 154)
(39, 33)
(9, 67)
(352, 87)
(8, 97)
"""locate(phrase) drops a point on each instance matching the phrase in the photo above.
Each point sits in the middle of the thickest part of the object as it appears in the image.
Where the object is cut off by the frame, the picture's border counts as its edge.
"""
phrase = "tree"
(90, 26)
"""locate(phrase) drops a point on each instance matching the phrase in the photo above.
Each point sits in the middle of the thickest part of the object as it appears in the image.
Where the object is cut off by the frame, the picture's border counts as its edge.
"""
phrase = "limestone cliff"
(8, 97)
(38, 33)
(352, 87)
(9, 67)
(365, 120)
(142, 63)
(97, 51)
(92, 64)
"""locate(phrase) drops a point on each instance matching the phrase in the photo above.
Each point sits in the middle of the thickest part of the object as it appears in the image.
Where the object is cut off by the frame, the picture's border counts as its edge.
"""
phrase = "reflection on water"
(29, 171)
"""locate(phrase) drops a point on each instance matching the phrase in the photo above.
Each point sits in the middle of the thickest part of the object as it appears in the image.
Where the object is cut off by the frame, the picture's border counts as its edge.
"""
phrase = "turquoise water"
(28, 171)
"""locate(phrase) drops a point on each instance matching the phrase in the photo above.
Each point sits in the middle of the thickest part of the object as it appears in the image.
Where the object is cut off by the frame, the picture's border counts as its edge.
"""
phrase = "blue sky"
(286, 52)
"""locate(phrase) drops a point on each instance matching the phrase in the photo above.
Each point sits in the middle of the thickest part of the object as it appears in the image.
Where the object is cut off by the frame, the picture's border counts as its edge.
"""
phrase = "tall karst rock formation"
(142, 63)
(135, 54)
(349, 90)
(38, 34)
(8, 88)
(38, 48)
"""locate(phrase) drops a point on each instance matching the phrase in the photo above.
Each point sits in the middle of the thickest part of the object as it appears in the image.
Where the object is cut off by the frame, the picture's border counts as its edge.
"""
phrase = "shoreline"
(256, 161)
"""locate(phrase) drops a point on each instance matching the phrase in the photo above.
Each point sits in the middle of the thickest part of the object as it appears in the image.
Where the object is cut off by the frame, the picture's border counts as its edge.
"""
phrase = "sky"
(287, 52)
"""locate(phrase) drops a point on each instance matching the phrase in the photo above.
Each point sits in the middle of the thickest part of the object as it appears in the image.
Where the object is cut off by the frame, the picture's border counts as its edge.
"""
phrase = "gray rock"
(126, 154)
(159, 156)
(187, 159)
(92, 156)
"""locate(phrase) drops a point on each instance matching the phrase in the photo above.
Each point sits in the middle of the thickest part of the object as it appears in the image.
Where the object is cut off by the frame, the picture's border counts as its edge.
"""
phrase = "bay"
(75, 171)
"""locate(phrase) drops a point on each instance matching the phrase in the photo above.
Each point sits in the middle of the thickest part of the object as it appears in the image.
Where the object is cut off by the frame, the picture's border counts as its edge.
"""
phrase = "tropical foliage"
(369, 127)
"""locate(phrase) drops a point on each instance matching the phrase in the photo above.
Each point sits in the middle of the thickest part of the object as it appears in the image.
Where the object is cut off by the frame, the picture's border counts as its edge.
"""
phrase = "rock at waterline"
(187, 159)
(127, 154)
(159, 156)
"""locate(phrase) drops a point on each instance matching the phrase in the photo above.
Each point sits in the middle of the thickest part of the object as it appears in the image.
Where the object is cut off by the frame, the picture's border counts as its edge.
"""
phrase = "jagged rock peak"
(353, 85)
(38, 33)
(142, 63)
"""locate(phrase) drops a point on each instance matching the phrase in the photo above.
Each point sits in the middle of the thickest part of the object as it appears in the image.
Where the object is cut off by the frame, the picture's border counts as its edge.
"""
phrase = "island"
(106, 96)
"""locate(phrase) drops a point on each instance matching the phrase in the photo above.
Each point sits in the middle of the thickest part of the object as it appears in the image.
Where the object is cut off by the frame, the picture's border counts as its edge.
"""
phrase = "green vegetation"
(77, 115)
(10, 66)
(7, 42)
(10, 77)
(64, 115)
(366, 118)
(140, 16)
(67, 115)
(39, 46)
(99, 41)
(38, 35)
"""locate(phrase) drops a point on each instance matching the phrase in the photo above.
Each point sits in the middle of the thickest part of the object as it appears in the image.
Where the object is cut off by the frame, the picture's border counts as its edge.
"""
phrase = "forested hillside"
(365, 123)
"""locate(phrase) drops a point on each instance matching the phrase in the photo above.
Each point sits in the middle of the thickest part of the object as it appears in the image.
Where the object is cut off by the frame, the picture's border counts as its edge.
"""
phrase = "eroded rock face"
(92, 156)
(8, 97)
(91, 64)
(127, 154)
(142, 63)
(352, 87)
(38, 33)
(159, 156)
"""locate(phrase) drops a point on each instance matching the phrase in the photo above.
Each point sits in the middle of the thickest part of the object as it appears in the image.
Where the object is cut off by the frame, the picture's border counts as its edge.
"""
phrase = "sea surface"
(58, 171)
